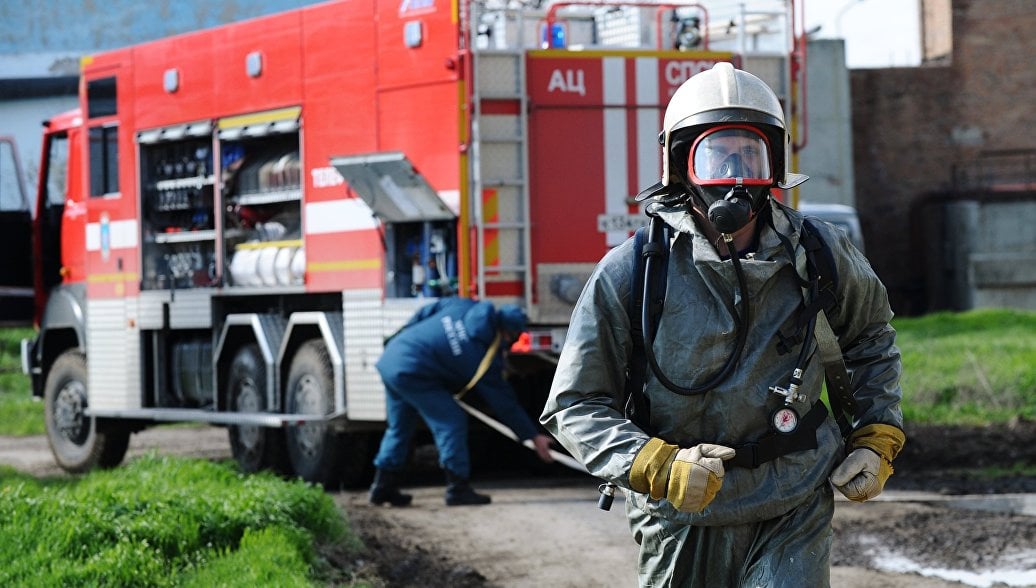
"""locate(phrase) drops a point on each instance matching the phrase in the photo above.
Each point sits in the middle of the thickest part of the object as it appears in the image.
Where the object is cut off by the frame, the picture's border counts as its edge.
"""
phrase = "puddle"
(1024, 504)
(1021, 504)
(1015, 569)
(989, 578)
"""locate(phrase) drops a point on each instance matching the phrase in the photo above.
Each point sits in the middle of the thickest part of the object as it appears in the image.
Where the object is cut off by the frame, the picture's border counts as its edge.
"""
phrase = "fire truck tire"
(79, 443)
(254, 448)
(315, 449)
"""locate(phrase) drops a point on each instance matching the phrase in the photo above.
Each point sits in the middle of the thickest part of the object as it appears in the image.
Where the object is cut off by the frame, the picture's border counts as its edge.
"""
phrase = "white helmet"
(722, 97)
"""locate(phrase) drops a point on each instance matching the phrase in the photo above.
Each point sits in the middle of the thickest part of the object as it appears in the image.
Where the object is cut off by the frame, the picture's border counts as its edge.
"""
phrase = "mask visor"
(730, 155)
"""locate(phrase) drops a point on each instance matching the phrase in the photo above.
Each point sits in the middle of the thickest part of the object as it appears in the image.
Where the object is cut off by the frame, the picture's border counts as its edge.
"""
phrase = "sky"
(877, 33)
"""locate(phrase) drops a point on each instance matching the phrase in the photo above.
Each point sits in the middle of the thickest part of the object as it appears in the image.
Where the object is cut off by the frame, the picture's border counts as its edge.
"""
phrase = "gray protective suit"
(770, 525)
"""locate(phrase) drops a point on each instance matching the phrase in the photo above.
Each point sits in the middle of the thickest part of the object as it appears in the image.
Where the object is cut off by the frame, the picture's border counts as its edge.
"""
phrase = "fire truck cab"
(236, 218)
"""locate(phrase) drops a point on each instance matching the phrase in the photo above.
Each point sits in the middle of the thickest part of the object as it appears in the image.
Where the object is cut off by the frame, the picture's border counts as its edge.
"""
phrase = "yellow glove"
(862, 475)
(688, 478)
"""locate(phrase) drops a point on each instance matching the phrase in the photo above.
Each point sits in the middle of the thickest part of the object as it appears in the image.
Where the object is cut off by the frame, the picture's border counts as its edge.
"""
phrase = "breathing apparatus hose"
(741, 319)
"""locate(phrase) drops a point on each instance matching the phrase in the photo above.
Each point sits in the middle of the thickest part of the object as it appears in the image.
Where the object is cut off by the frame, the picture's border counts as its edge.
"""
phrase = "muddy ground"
(544, 528)
(890, 543)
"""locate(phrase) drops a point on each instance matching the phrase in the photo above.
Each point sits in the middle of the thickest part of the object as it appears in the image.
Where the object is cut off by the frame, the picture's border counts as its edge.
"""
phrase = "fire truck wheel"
(254, 448)
(79, 443)
(313, 448)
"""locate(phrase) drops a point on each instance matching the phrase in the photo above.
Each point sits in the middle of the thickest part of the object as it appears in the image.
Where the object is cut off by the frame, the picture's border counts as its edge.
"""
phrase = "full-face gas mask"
(729, 170)
(724, 144)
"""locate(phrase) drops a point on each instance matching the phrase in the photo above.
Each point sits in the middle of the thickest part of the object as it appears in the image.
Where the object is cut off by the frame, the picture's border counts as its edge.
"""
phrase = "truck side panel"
(417, 43)
(339, 78)
(429, 135)
(262, 61)
(114, 348)
(175, 80)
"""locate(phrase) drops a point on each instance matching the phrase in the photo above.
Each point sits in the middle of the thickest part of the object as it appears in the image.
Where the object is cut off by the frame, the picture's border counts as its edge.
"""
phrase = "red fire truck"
(235, 219)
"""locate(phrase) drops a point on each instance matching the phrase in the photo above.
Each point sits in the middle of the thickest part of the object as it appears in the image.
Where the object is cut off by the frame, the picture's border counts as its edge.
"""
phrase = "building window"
(104, 160)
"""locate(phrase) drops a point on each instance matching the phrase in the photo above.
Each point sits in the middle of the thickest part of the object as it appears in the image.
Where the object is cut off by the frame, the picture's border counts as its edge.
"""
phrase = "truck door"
(15, 240)
(60, 223)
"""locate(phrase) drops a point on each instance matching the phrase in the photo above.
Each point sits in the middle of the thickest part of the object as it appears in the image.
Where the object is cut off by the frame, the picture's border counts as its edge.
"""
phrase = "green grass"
(164, 521)
(20, 414)
(973, 367)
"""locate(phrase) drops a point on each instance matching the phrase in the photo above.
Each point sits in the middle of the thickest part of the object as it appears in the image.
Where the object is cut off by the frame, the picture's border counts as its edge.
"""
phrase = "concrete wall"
(827, 157)
(912, 126)
(94, 25)
(23, 119)
(991, 259)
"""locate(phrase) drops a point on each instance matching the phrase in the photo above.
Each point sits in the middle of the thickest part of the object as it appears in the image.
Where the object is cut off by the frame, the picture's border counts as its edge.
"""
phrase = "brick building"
(945, 160)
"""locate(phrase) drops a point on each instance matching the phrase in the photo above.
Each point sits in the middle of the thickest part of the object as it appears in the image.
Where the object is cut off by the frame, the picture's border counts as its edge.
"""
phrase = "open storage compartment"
(177, 207)
(262, 199)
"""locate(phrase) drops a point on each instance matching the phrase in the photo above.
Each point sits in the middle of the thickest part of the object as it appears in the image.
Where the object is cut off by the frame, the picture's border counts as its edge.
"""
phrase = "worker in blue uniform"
(448, 349)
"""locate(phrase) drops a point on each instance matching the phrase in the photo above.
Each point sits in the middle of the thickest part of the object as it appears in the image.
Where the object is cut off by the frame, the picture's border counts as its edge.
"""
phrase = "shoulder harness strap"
(824, 275)
(637, 406)
(839, 393)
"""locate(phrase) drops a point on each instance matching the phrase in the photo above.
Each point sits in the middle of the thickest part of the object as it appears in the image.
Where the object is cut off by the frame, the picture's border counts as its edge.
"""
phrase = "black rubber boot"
(386, 489)
(460, 493)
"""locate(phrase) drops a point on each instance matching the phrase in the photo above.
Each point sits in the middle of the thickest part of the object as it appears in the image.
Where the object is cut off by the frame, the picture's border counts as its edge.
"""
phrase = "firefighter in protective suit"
(449, 348)
(716, 495)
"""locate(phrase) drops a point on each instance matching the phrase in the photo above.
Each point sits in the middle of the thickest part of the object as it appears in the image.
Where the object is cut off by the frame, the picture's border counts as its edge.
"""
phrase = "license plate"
(620, 222)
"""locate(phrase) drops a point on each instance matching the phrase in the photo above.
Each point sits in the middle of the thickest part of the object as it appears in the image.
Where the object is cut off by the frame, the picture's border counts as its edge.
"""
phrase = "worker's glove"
(862, 475)
(688, 478)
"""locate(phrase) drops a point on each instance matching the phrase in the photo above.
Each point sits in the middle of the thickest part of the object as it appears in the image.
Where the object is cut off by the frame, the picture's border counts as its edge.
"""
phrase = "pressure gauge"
(784, 420)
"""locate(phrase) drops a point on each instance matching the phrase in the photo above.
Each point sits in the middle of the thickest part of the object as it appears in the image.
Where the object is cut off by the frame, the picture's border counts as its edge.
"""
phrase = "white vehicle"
(840, 215)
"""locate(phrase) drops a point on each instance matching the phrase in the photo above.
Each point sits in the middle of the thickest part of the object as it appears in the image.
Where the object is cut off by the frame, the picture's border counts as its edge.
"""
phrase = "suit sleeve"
(868, 340)
(584, 410)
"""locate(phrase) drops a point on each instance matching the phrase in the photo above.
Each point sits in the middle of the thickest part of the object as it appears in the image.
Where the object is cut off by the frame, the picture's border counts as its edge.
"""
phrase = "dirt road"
(541, 533)
(927, 530)
(546, 530)
(551, 533)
